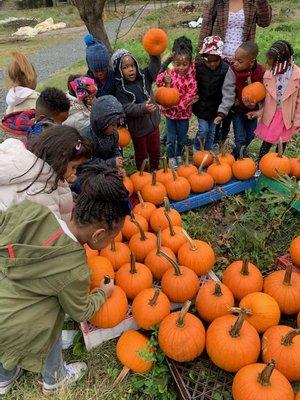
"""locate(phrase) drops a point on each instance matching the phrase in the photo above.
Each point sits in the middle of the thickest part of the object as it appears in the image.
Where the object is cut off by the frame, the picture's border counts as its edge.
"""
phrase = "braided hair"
(182, 46)
(281, 53)
(103, 199)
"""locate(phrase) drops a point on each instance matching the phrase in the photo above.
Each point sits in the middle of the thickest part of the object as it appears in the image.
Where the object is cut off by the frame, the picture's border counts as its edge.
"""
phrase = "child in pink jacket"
(280, 115)
(182, 77)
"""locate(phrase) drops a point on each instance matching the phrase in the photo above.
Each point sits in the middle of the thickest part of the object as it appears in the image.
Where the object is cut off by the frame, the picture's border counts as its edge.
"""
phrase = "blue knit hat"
(97, 55)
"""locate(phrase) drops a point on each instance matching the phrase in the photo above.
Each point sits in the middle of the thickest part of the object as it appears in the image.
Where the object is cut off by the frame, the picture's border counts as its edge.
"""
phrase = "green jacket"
(43, 275)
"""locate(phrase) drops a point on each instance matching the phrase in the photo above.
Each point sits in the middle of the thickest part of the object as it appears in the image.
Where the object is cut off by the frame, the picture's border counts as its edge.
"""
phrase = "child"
(182, 77)
(280, 116)
(97, 59)
(134, 91)
(82, 94)
(22, 82)
(212, 74)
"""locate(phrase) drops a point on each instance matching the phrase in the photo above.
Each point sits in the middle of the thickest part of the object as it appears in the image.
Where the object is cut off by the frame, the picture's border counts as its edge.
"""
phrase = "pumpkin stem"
(280, 148)
(287, 340)
(288, 275)
(154, 178)
(153, 300)
(167, 204)
(237, 310)
(158, 242)
(143, 166)
(132, 264)
(165, 165)
(218, 291)
(186, 154)
(106, 279)
(241, 155)
(171, 228)
(245, 269)
(173, 262)
(235, 329)
(200, 169)
(265, 375)
(113, 246)
(175, 177)
(182, 314)
(142, 233)
(216, 159)
(141, 200)
(190, 240)
(132, 216)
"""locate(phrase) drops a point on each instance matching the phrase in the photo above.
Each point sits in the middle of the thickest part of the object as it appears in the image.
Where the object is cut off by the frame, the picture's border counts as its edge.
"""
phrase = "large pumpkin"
(232, 343)
(284, 287)
(150, 307)
(142, 243)
(164, 174)
(263, 310)
(173, 236)
(254, 92)
(220, 172)
(213, 300)
(154, 192)
(130, 228)
(181, 335)
(273, 165)
(295, 250)
(155, 41)
(295, 167)
(158, 219)
(99, 267)
(186, 169)
(167, 96)
(140, 178)
(242, 278)
(261, 381)
(117, 253)
(178, 188)
(124, 137)
(243, 168)
(282, 343)
(132, 348)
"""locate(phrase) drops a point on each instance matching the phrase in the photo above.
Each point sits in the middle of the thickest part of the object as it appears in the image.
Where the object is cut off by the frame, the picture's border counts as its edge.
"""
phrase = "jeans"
(53, 371)
(243, 128)
(147, 146)
(223, 129)
(177, 130)
(205, 133)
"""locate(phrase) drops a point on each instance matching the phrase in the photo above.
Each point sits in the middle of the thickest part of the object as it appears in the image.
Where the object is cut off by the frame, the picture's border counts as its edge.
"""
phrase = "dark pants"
(177, 130)
(265, 148)
(223, 129)
(147, 146)
(243, 128)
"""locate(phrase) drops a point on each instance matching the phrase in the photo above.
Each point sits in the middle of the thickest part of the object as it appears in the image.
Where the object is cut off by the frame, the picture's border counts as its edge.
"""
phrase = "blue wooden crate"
(220, 191)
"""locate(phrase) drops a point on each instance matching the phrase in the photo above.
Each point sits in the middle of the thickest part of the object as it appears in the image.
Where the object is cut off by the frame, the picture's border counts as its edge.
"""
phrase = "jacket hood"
(105, 111)
(18, 94)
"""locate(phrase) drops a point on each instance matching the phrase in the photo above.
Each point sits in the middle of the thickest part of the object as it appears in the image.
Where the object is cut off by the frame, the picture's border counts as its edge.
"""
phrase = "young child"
(134, 91)
(82, 94)
(212, 75)
(280, 115)
(22, 83)
(97, 59)
(182, 77)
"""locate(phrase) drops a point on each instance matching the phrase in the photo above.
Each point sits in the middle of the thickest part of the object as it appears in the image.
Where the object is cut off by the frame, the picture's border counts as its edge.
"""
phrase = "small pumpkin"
(140, 178)
(196, 255)
(295, 250)
(232, 343)
(201, 181)
(242, 278)
(263, 310)
(254, 92)
(167, 96)
(181, 335)
(186, 169)
(130, 228)
(156, 262)
(155, 41)
(244, 168)
(99, 267)
(179, 283)
(282, 343)
(158, 220)
(133, 277)
(154, 192)
(144, 208)
(130, 350)
(295, 167)
(117, 253)
(165, 174)
(225, 157)
(213, 300)
(142, 243)
(128, 184)
(220, 172)
(173, 236)
(199, 156)
(261, 381)
(284, 287)
(178, 188)
(124, 137)
(273, 165)
(150, 307)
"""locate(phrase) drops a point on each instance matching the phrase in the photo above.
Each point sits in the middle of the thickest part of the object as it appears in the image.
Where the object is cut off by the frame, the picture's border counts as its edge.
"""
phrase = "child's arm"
(166, 63)
(228, 96)
(153, 68)
(263, 13)
(160, 79)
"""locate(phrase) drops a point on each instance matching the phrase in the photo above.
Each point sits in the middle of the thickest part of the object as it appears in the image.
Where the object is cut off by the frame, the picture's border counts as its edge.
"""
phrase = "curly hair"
(52, 101)
(182, 46)
(280, 51)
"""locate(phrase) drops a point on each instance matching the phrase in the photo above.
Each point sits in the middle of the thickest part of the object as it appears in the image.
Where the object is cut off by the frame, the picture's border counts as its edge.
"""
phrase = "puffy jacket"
(79, 115)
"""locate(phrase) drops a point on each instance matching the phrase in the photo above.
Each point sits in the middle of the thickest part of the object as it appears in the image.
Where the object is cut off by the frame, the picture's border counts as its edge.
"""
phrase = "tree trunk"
(91, 12)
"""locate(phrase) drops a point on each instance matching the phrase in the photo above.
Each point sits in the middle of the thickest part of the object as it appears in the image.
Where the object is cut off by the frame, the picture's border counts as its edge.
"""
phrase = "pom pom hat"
(97, 55)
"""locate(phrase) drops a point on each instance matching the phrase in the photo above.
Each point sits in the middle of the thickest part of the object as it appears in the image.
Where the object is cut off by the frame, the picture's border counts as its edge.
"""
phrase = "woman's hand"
(107, 288)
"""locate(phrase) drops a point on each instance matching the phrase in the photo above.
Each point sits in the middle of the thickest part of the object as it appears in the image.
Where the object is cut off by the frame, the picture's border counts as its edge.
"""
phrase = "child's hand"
(218, 120)
(167, 79)
(119, 162)
(193, 100)
(107, 288)
(248, 103)
(122, 172)
(254, 114)
(71, 179)
(150, 107)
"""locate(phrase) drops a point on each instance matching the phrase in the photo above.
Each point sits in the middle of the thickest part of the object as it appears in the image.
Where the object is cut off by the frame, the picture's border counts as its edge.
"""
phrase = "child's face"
(90, 99)
(211, 61)
(100, 75)
(243, 61)
(181, 64)
(128, 68)
(112, 128)
(72, 167)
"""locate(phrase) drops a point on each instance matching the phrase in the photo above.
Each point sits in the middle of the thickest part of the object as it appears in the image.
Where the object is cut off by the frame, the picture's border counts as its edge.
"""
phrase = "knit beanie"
(118, 54)
(97, 55)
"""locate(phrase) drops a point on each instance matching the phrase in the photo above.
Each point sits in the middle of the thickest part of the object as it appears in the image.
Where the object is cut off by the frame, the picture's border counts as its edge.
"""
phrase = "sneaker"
(172, 162)
(257, 173)
(74, 372)
(6, 386)
(67, 338)
(179, 160)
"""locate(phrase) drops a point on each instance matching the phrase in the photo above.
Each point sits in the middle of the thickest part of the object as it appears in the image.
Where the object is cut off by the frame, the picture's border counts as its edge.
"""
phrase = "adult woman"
(44, 275)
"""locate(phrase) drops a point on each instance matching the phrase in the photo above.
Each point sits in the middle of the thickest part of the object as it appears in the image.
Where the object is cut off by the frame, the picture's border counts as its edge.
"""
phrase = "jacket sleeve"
(228, 93)
(111, 162)
(263, 13)
(296, 122)
(152, 70)
(76, 300)
(160, 79)
(165, 64)
(207, 23)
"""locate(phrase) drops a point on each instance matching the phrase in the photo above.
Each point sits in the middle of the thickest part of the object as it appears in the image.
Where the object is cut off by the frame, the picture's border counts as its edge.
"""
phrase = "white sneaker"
(172, 163)
(74, 372)
(67, 338)
(6, 386)
(178, 160)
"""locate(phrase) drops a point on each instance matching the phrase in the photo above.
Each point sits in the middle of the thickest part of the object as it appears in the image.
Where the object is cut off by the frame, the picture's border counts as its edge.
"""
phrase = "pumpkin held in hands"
(155, 41)
(167, 97)
(254, 92)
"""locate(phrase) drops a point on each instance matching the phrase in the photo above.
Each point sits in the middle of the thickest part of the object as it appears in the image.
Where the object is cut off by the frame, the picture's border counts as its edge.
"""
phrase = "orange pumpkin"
(99, 266)
(295, 250)
(173, 236)
(133, 277)
(178, 188)
(132, 349)
(130, 228)
(155, 41)
(213, 300)
(181, 335)
(297, 395)
(113, 311)
(186, 169)
(158, 220)
(198, 157)
(124, 137)
(165, 174)
(201, 181)
(273, 165)
(154, 192)
(242, 278)
(261, 381)
(284, 287)
(232, 343)
(295, 167)
(254, 92)
(150, 307)
(140, 178)
(119, 237)
(142, 243)
(243, 168)
(179, 283)
(144, 208)
(167, 96)
(282, 343)
(298, 320)
(263, 310)
(225, 157)
(220, 172)
(117, 253)
(90, 252)
(128, 184)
